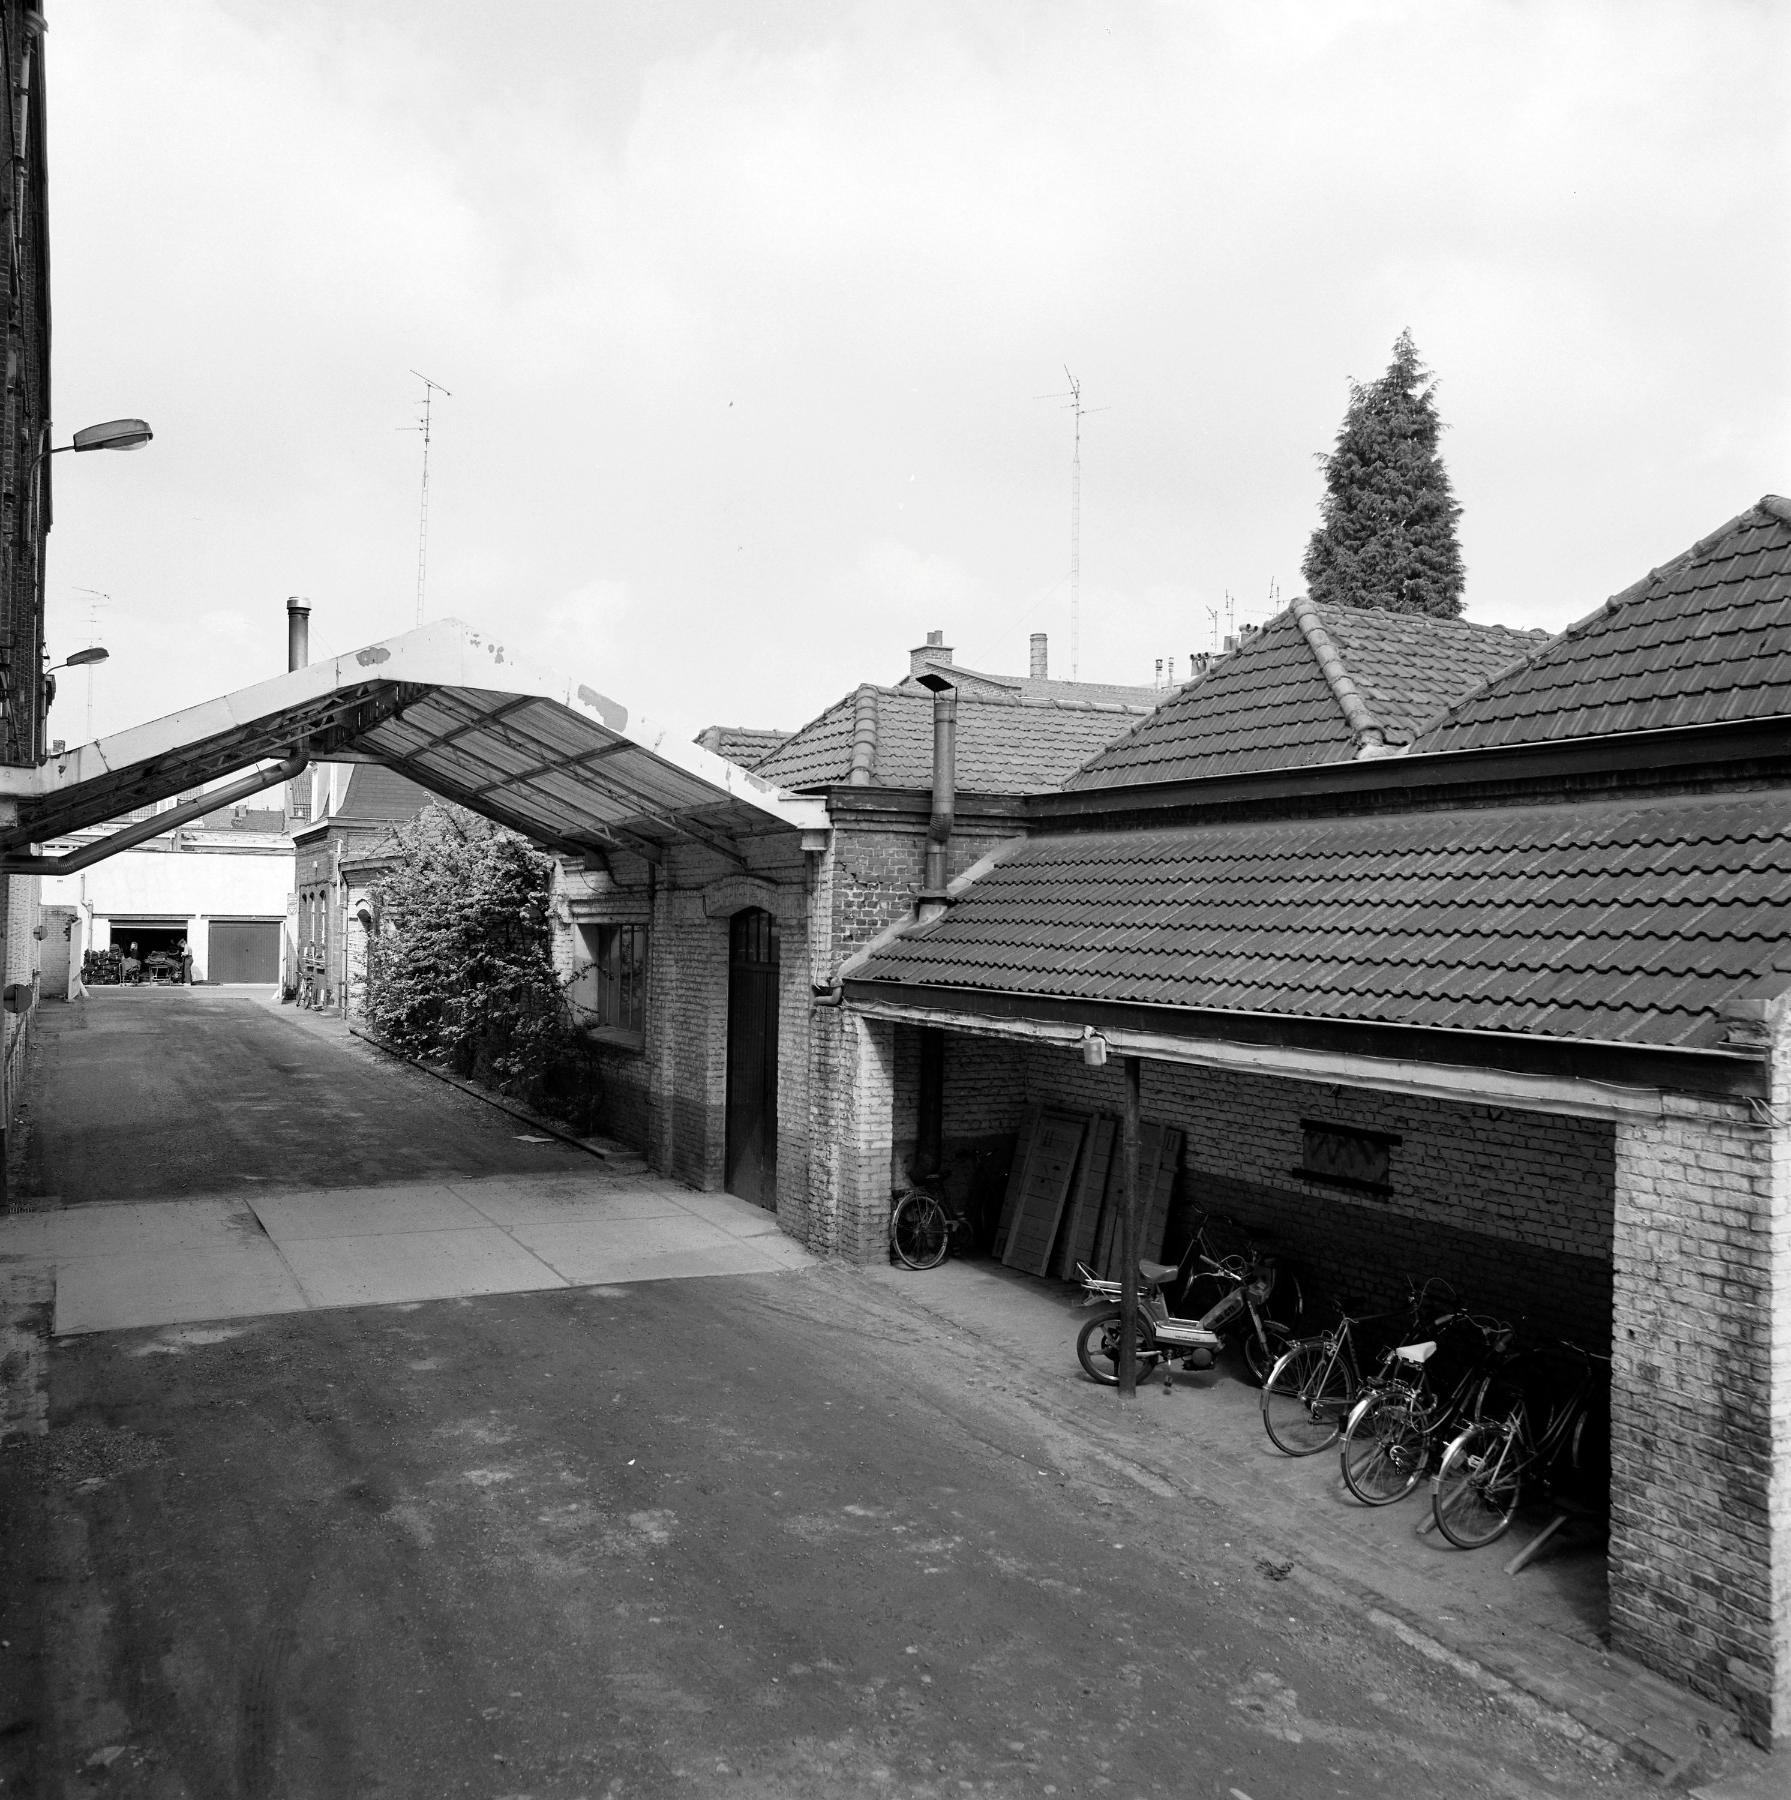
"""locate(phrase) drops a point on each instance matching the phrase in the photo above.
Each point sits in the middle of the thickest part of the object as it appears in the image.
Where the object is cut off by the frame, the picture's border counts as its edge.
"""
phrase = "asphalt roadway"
(771, 1535)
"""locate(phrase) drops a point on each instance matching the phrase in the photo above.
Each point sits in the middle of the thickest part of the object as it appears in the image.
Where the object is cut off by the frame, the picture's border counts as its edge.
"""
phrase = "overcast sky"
(746, 312)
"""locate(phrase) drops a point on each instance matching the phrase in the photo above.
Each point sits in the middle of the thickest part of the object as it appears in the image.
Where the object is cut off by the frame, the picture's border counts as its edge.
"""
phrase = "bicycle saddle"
(1155, 1274)
(1416, 1353)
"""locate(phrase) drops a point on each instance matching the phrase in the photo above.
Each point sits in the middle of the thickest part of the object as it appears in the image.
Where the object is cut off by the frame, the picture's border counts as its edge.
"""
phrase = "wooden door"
(751, 1160)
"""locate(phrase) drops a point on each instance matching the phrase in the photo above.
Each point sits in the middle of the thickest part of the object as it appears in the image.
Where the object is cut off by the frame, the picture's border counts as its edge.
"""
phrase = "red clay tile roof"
(1703, 640)
(1272, 705)
(746, 745)
(1620, 921)
(1011, 746)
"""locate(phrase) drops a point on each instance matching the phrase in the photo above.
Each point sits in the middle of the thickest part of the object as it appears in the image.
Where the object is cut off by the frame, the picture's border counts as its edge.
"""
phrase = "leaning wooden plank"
(1160, 1192)
(1083, 1219)
(1055, 1146)
(1150, 1150)
(1016, 1175)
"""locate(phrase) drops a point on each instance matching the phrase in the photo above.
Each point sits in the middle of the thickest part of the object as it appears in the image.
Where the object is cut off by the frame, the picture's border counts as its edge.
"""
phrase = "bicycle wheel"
(1476, 1489)
(1385, 1448)
(919, 1231)
(1098, 1347)
(1306, 1398)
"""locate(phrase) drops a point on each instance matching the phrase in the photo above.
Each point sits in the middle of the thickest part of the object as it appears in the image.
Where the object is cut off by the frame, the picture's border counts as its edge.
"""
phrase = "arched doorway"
(751, 1162)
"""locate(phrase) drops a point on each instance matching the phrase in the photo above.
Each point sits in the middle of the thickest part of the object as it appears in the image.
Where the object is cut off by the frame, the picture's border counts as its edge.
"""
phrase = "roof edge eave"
(1732, 1074)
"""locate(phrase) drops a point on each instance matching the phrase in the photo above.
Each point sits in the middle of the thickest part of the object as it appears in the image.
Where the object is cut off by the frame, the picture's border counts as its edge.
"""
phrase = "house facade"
(696, 972)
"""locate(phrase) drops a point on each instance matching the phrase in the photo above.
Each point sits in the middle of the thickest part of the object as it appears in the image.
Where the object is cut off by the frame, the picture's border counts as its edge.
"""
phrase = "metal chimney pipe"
(1038, 656)
(945, 795)
(298, 632)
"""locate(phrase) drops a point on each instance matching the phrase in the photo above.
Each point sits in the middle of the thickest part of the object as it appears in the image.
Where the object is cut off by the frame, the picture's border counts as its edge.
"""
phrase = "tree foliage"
(460, 969)
(1387, 535)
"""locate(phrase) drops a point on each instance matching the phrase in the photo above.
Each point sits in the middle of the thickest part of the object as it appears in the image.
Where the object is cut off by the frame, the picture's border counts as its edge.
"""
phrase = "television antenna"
(1074, 397)
(93, 612)
(430, 390)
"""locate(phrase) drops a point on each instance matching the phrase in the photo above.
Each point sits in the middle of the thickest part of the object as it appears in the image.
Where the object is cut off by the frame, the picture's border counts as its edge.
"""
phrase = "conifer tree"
(1387, 537)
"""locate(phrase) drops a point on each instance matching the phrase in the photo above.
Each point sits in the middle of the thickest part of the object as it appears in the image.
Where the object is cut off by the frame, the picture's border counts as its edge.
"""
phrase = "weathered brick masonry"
(869, 879)
(1701, 1425)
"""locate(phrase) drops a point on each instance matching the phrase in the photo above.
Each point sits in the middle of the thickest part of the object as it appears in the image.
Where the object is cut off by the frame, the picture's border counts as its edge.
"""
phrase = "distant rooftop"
(745, 745)
(1317, 684)
(1036, 684)
(1008, 742)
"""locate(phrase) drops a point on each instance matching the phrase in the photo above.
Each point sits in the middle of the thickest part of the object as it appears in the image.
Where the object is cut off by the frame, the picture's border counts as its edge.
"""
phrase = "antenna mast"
(93, 613)
(1075, 529)
(430, 390)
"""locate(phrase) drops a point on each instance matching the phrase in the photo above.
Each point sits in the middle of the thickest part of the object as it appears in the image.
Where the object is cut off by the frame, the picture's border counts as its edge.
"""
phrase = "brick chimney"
(1038, 657)
(929, 655)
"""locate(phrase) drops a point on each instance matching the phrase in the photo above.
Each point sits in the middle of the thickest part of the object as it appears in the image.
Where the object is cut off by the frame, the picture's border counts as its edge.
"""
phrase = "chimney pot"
(1038, 657)
(298, 632)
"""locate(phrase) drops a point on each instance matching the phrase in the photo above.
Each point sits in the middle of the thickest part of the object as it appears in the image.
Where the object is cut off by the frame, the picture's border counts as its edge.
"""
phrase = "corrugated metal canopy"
(451, 708)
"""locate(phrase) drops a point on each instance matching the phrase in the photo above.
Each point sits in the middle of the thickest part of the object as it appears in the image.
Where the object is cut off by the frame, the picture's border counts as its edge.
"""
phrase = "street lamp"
(115, 434)
(112, 434)
(80, 659)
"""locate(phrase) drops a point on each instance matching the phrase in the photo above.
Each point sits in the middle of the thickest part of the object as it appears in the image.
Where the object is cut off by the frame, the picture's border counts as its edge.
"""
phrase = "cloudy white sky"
(746, 311)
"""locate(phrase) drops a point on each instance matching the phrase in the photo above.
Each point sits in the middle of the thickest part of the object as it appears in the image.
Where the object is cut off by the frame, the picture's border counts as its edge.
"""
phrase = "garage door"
(244, 952)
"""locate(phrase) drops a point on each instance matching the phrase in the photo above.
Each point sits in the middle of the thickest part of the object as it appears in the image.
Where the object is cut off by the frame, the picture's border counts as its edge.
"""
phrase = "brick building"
(335, 812)
(1529, 959)
(25, 511)
(696, 971)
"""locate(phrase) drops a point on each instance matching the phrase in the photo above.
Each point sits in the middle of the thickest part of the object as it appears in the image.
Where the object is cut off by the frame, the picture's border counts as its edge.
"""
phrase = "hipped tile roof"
(1310, 687)
(1017, 745)
(1703, 640)
(1618, 921)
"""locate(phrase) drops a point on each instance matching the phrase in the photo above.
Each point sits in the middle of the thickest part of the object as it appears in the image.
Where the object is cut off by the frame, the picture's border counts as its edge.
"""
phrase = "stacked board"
(1064, 1192)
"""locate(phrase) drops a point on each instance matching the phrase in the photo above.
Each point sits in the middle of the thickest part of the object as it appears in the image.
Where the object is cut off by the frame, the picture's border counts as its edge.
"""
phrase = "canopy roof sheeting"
(453, 709)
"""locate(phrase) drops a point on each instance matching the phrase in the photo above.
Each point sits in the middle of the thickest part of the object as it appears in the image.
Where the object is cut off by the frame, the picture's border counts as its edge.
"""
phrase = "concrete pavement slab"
(173, 1287)
(734, 1256)
(125, 1228)
(415, 1265)
(511, 1203)
(739, 1218)
(363, 1212)
(595, 1250)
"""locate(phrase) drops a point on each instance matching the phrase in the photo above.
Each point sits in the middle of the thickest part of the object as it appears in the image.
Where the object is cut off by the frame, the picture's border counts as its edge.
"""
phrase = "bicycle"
(1311, 1391)
(923, 1227)
(1484, 1472)
(1388, 1441)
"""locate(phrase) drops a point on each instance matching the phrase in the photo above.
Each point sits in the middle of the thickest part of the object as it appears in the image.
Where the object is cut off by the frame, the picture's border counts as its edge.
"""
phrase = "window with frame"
(1347, 1156)
(617, 990)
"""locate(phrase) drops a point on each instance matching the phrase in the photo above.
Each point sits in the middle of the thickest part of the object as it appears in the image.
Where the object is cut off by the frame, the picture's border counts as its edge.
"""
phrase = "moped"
(1167, 1333)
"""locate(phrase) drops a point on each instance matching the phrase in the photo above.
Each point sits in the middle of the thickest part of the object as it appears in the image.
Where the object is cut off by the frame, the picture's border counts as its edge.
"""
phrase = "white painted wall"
(195, 885)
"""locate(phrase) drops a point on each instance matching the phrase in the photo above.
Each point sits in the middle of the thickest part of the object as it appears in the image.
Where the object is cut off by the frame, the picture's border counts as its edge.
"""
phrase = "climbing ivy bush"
(460, 965)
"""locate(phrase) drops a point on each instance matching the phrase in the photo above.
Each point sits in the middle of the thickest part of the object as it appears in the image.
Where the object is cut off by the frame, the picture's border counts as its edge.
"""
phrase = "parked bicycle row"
(1435, 1390)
